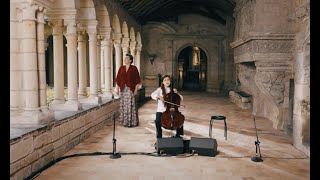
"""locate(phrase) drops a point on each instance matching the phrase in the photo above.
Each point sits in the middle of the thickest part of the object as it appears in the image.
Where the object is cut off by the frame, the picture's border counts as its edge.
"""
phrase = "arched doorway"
(192, 67)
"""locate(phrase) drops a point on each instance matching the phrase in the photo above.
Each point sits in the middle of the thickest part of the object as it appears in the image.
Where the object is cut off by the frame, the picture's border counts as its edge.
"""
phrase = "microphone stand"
(114, 154)
(258, 157)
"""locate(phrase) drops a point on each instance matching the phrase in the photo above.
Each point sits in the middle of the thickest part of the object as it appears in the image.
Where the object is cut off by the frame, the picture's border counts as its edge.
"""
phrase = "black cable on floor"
(38, 172)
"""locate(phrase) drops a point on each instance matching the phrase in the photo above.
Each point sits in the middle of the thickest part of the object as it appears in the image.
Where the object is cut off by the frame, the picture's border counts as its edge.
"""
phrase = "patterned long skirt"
(128, 110)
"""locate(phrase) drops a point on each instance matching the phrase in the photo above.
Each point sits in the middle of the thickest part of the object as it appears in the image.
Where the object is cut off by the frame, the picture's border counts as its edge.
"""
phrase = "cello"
(171, 118)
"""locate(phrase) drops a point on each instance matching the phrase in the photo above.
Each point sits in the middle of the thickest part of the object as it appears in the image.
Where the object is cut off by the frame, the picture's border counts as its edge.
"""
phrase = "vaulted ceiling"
(164, 10)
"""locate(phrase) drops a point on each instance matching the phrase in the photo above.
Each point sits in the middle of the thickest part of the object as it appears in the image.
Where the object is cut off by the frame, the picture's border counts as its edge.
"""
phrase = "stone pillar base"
(80, 96)
(58, 101)
(31, 117)
(107, 95)
(72, 105)
(91, 100)
(68, 106)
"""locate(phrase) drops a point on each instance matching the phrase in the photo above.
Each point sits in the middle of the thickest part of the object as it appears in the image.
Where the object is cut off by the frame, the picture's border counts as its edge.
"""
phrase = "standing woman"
(128, 80)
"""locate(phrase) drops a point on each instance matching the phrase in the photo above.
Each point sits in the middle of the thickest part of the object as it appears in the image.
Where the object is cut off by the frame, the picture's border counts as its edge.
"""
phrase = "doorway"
(192, 62)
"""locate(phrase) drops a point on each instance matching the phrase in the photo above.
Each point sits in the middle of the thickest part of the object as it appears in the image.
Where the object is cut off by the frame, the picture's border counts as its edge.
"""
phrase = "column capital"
(71, 29)
(81, 36)
(106, 42)
(28, 11)
(40, 17)
(56, 23)
(125, 40)
(117, 41)
(138, 47)
(57, 26)
(117, 45)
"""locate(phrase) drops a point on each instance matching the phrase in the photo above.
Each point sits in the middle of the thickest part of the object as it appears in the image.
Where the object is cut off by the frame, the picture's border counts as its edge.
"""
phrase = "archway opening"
(192, 63)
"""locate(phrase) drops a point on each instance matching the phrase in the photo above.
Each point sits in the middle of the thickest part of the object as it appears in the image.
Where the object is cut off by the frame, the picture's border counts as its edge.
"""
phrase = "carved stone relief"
(265, 46)
(272, 46)
(273, 84)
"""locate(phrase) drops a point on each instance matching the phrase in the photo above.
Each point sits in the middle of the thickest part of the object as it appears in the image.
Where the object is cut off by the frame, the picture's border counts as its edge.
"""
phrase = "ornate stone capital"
(57, 26)
(139, 47)
(71, 29)
(133, 44)
(106, 42)
(81, 36)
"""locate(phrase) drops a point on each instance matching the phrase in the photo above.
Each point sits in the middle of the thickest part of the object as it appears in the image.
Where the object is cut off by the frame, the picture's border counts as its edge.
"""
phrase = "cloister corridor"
(281, 159)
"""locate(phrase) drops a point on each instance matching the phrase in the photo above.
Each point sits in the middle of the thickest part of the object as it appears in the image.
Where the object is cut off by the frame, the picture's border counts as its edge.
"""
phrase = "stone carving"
(265, 46)
(244, 75)
(303, 11)
(273, 46)
(244, 18)
(305, 107)
(272, 84)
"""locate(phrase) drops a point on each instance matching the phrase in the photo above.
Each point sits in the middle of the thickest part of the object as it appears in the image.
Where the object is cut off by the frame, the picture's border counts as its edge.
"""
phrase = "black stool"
(218, 118)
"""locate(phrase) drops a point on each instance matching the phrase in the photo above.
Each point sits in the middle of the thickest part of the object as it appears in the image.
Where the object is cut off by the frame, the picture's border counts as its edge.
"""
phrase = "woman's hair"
(162, 85)
(131, 58)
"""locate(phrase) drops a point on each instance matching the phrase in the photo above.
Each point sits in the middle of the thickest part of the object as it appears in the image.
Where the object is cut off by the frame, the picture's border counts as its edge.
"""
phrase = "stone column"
(117, 47)
(15, 72)
(72, 104)
(31, 113)
(99, 65)
(125, 47)
(93, 97)
(82, 56)
(137, 57)
(29, 66)
(41, 61)
(58, 63)
(102, 78)
(133, 50)
(106, 44)
(301, 112)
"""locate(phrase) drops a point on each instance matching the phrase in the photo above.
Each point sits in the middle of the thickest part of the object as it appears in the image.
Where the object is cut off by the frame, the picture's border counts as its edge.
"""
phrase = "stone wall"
(263, 45)
(271, 49)
(34, 150)
(167, 40)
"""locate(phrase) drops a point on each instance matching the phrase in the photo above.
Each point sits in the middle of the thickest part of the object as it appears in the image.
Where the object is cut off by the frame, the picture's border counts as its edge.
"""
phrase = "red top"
(130, 78)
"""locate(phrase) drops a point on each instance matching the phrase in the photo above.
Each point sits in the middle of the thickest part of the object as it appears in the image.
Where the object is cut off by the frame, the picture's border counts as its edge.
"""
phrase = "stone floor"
(233, 161)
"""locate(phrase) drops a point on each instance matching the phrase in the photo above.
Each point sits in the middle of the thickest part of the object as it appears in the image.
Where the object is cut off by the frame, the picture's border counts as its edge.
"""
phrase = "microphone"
(258, 157)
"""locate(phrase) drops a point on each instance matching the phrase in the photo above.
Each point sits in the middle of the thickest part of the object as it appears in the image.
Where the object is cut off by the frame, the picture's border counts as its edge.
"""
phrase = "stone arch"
(103, 16)
(181, 48)
(116, 24)
(65, 4)
(125, 30)
(87, 10)
(132, 34)
(163, 26)
(138, 38)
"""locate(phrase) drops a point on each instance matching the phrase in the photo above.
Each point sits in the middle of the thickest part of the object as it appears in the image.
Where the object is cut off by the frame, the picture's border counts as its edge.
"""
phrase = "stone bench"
(241, 99)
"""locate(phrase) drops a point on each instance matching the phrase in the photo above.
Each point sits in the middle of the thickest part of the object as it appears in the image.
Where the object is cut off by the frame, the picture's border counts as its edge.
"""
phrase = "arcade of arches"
(258, 51)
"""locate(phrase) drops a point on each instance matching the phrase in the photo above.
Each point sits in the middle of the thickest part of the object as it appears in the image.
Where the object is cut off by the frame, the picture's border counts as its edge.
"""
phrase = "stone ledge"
(241, 99)
(48, 142)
